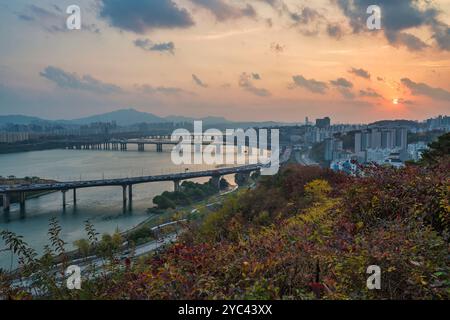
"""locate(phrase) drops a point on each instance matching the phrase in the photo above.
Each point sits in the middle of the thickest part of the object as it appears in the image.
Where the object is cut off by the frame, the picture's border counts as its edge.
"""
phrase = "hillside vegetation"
(306, 233)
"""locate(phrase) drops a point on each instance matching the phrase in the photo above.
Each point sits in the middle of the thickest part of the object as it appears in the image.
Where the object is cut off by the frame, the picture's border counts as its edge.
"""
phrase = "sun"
(395, 101)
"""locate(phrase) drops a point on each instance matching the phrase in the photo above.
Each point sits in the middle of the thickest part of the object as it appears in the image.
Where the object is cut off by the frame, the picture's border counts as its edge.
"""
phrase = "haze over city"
(250, 60)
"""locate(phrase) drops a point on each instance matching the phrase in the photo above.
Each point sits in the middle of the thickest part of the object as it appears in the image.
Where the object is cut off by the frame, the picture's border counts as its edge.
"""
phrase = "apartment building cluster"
(324, 130)
(334, 149)
(12, 137)
(381, 145)
(438, 123)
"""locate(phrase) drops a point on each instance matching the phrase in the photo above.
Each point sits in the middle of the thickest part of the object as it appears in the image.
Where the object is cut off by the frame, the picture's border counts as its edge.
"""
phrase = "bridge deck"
(126, 181)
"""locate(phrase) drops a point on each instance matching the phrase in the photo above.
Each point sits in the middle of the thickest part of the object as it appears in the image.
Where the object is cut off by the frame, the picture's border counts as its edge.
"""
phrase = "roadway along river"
(103, 206)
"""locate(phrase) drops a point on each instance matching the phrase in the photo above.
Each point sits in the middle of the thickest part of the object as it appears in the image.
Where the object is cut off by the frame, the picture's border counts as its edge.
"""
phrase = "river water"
(102, 206)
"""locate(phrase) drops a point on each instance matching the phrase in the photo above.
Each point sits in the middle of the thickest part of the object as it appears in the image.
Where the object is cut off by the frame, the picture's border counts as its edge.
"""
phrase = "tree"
(317, 190)
(163, 202)
(223, 184)
(83, 246)
(241, 179)
(438, 149)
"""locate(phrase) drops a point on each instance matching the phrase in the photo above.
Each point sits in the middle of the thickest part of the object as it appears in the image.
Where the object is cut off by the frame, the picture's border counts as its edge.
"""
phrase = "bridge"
(121, 144)
(159, 141)
(125, 183)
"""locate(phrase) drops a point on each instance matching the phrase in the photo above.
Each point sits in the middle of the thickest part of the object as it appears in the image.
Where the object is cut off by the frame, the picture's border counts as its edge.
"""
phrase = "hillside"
(123, 117)
(313, 238)
(395, 123)
(19, 119)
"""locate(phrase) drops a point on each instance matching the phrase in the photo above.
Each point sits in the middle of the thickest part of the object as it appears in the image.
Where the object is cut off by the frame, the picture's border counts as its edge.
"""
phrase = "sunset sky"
(247, 60)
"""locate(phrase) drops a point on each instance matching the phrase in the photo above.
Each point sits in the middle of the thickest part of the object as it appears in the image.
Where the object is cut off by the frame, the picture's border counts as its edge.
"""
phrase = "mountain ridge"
(123, 117)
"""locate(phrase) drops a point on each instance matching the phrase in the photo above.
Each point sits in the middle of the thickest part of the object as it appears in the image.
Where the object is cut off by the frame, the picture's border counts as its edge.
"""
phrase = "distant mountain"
(19, 119)
(128, 117)
(123, 117)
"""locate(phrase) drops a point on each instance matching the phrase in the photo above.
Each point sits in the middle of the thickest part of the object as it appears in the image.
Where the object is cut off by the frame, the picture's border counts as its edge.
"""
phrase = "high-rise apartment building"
(323, 123)
(380, 138)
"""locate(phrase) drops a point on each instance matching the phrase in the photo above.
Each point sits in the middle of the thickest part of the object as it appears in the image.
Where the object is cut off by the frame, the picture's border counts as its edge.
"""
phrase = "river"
(102, 206)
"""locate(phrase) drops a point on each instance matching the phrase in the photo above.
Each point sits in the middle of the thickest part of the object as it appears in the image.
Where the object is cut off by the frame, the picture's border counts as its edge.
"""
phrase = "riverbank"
(160, 226)
(22, 181)
(30, 146)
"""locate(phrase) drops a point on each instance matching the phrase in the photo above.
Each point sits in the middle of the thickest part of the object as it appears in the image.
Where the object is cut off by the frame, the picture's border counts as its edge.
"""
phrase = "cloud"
(308, 20)
(334, 30)
(341, 82)
(310, 84)
(245, 82)
(398, 16)
(305, 16)
(441, 35)
(199, 82)
(222, 11)
(68, 80)
(170, 91)
(370, 93)
(51, 20)
(360, 73)
(426, 90)
(408, 40)
(343, 86)
(148, 45)
(144, 15)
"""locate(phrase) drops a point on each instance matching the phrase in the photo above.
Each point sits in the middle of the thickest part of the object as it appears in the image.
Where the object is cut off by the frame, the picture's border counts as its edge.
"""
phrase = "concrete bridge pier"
(6, 202)
(22, 201)
(176, 184)
(130, 197)
(215, 181)
(159, 147)
(124, 197)
(64, 198)
(74, 197)
(141, 147)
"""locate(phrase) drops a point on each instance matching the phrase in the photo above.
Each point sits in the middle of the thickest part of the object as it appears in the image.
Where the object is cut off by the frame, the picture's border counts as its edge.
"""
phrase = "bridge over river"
(125, 183)
(158, 141)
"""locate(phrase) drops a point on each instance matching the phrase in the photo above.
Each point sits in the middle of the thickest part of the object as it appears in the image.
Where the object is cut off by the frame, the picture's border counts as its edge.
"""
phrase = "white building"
(415, 150)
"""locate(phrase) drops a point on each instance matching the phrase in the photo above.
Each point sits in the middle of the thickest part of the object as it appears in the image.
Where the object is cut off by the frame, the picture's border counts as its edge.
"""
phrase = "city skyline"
(253, 60)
